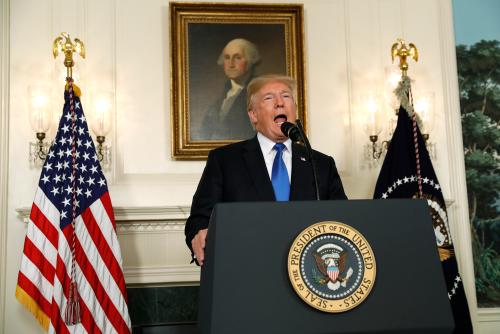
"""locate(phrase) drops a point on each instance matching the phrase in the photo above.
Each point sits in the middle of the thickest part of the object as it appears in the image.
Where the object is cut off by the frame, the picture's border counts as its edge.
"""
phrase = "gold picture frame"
(199, 32)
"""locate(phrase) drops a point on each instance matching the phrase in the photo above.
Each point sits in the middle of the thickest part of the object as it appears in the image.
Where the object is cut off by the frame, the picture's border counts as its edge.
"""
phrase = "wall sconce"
(40, 117)
(374, 119)
(380, 111)
(373, 123)
(100, 122)
(422, 103)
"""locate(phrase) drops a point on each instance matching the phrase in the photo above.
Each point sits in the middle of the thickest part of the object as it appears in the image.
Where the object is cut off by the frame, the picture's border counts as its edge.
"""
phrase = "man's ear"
(252, 116)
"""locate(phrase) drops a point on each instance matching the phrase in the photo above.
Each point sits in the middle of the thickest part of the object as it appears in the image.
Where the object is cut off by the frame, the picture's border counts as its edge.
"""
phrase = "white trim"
(460, 214)
(138, 214)
(164, 274)
(150, 227)
(488, 315)
(4, 148)
(151, 213)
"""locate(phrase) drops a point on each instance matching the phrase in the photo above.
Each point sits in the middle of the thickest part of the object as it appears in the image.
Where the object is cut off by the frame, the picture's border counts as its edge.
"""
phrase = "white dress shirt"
(267, 145)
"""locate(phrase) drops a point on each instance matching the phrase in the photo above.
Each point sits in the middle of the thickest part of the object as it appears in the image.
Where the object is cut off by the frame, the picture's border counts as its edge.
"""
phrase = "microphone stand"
(310, 153)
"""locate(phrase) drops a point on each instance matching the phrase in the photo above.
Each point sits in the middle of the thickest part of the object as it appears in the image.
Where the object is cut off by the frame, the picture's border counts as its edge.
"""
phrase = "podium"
(245, 287)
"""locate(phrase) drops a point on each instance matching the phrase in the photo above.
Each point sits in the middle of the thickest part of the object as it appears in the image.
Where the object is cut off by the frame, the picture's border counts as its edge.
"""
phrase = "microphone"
(296, 133)
(291, 131)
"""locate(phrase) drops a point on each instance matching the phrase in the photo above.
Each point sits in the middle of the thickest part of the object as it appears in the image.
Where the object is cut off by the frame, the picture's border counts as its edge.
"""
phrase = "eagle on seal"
(331, 262)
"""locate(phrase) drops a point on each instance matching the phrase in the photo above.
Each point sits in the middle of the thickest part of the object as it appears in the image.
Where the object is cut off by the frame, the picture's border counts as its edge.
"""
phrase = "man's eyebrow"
(279, 92)
(267, 93)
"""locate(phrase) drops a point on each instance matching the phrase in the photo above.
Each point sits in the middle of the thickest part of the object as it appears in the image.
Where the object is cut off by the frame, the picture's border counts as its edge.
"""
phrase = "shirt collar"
(267, 144)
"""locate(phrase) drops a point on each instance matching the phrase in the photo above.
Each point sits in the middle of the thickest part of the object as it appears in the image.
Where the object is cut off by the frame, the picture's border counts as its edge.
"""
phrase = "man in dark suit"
(267, 167)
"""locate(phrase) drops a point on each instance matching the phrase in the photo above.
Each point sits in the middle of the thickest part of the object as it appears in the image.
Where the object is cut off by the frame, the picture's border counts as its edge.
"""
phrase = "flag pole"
(64, 44)
(404, 93)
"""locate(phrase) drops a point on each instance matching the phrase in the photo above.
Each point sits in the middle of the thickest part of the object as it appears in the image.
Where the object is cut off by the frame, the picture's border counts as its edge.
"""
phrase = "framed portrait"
(216, 50)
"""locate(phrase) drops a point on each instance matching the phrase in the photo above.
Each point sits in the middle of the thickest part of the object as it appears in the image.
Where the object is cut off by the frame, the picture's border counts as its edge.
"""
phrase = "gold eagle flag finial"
(399, 49)
(64, 44)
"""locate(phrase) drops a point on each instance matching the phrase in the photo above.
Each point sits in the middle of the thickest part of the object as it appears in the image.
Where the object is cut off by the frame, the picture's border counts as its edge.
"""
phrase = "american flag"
(72, 175)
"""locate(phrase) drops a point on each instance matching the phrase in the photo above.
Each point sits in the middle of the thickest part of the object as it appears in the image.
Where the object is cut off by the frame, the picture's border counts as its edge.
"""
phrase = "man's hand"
(198, 245)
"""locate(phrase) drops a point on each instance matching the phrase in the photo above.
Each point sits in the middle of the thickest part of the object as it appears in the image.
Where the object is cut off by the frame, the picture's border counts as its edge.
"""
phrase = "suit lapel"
(301, 175)
(257, 170)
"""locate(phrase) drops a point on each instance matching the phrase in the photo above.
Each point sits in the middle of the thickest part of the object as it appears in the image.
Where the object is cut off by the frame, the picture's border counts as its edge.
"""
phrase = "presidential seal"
(331, 267)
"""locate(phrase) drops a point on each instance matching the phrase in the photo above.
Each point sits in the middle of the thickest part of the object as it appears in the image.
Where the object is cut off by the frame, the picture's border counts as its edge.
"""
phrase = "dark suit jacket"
(237, 173)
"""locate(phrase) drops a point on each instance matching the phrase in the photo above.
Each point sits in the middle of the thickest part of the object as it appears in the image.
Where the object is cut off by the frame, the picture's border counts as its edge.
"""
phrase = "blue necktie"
(279, 177)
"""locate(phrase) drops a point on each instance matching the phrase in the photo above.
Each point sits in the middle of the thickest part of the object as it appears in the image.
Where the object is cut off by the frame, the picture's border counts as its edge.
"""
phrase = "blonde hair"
(256, 84)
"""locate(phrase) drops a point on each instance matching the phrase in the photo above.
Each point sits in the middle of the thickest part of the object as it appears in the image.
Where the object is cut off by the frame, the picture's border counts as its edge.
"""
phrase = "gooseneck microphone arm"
(311, 159)
(294, 131)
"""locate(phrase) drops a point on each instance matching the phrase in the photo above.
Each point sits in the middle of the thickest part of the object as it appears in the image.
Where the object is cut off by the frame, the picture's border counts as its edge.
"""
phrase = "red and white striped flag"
(71, 242)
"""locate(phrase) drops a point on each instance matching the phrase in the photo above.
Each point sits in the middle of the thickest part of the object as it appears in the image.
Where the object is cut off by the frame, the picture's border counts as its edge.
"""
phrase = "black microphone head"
(285, 127)
(291, 131)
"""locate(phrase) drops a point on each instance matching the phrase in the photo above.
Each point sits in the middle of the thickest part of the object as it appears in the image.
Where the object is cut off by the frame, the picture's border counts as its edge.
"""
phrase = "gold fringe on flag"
(33, 307)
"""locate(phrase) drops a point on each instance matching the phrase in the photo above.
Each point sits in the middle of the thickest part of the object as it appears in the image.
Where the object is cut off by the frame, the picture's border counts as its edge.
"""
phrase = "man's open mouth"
(280, 119)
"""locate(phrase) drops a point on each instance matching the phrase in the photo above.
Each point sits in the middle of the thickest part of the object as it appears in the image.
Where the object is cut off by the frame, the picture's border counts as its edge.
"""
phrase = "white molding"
(4, 148)
(140, 215)
(151, 213)
(164, 274)
(150, 227)
(461, 227)
(488, 315)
